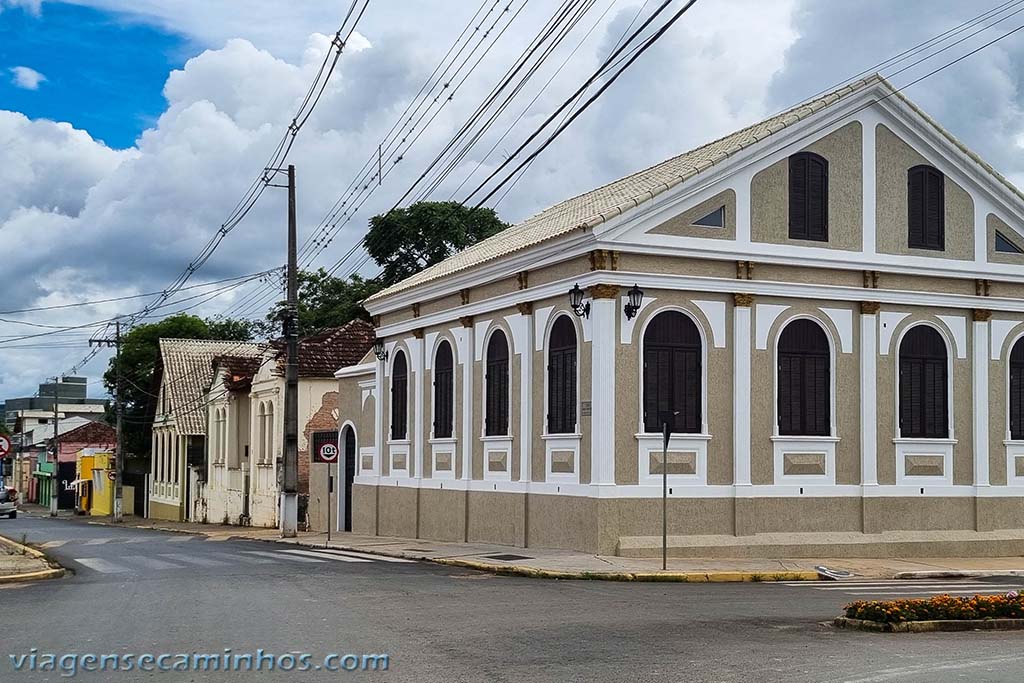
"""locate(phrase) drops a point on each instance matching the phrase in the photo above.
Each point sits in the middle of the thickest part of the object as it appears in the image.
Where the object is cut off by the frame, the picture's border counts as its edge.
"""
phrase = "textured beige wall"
(364, 509)
(997, 403)
(918, 514)
(562, 522)
(811, 276)
(924, 283)
(961, 399)
(164, 511)
(796, 515)
(496, 518)
(993, 223)
(769, 194)
(649, 263)
(397, 511)
(893, 158)
(682, 225)
(539, 394)
(847, 400)
(442, 515)
(719, 390)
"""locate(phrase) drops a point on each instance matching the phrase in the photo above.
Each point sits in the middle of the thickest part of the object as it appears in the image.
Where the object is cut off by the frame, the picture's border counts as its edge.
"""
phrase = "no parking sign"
(5, 445)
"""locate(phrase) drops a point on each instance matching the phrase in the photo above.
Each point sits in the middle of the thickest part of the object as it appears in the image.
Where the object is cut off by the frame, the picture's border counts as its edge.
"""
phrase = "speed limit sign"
(5, 445)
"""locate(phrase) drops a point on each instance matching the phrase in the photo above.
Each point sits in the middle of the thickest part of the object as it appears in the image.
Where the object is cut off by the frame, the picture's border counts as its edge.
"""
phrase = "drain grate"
(508, 558)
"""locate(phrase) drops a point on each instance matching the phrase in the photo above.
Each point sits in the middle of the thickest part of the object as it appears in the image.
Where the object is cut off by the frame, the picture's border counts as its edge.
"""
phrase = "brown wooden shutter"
(926, 208)
(808, 197)
(673, 383)
(804, 380)
(923, 385)
(444, 391)
(497, 400)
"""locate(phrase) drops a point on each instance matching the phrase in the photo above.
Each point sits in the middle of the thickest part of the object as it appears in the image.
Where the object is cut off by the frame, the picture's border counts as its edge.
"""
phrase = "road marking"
(191, 559)
(152, 562)
(917, 669)
(911, 586)
(896, 591)
(366, 556)
(324, 556)
(245, 560)
(279, 556)
(102, 566)
(142, 539)
(53, 544)
(98, 541)
(179, 539)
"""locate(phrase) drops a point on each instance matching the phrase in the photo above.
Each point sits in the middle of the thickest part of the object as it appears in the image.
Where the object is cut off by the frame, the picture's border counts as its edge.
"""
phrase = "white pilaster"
(741, 391)
(416, 347)
(868, 124)
(467, 358)
(378, 422)
(526, 401)
(979, 366)
(868, 398)
(602, 441)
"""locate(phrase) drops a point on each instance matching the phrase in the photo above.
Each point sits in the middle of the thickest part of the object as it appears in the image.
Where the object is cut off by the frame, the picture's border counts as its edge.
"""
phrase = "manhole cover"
(508, 558)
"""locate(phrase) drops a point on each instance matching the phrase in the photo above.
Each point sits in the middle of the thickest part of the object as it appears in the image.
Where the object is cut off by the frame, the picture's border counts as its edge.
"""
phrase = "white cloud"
(26, 78)
(31, 6)
(90, 222)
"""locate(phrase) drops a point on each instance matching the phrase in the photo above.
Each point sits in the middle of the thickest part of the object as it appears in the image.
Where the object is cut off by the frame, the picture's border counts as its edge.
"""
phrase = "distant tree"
(140, 347)
(324, 301)
(405, 241)
(4, 430)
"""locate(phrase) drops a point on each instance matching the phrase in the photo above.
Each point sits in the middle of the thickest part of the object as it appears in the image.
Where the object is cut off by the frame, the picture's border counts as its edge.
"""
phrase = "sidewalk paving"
(19, 562)
(567, 564)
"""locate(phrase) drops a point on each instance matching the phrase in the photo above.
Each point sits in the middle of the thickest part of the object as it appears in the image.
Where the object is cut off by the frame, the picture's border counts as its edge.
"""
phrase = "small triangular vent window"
(1005, 246)
(715, 219)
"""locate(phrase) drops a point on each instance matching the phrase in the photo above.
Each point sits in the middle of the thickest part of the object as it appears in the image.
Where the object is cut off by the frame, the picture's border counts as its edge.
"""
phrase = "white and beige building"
(827, 308)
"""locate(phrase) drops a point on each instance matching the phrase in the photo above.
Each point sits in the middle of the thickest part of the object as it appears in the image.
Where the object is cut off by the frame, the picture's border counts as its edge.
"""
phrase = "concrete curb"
(53, 572)
(957, 573)
(929, 626)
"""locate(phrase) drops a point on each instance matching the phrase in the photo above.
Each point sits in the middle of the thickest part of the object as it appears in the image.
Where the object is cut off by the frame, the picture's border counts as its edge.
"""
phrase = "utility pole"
(117, 513)
(56, 445)
(290, 482)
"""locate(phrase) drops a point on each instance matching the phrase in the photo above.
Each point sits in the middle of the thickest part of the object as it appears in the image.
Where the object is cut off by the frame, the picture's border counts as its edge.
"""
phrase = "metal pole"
(290, 483)
(330, 490)
(117, 514)
(666, 432)
(56, 446)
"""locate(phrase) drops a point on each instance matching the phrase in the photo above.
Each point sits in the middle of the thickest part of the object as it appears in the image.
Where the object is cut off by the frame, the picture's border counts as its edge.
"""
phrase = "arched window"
(496, 379)
(268, 455)
(672, 374)
(926, 205)
(348, 440)
(562, 377)
(804, 384)
(808, 197)
(924, 388)
(444, 391)
(1017, 390)
(399, 397)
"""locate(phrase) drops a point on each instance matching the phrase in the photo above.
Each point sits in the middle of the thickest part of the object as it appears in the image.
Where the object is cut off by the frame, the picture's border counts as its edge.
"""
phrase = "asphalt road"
(139, 591)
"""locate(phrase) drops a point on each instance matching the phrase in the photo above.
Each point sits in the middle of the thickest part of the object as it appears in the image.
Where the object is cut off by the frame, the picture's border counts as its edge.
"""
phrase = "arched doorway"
(348, 437)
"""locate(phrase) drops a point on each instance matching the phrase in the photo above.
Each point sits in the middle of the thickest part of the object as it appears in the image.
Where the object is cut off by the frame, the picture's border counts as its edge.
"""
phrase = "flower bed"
(938, 608)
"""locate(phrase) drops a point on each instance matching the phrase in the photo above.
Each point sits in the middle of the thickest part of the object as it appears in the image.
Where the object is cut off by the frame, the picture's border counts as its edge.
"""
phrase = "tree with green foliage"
(140, 348)
(405, 241)
(402, 243)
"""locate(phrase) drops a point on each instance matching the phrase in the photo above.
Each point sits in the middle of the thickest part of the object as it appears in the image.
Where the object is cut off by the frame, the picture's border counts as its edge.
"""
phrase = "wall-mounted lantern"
(576, 301)
(634, 297)
(378, 349)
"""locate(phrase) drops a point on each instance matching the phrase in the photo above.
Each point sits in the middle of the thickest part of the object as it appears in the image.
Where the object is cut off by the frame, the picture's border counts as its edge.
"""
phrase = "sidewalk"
(20, 563)
(566, 564)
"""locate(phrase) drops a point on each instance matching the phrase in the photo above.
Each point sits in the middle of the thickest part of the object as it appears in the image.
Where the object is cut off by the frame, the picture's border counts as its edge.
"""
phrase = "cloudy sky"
(129, 128)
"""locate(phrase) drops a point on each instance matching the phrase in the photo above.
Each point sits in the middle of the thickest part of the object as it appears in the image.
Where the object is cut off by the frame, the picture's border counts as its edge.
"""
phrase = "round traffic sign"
(111, 475)
(328, 452)
(5, 445)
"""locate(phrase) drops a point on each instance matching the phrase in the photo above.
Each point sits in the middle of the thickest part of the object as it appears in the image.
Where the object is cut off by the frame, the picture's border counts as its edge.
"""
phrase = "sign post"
(666, 433)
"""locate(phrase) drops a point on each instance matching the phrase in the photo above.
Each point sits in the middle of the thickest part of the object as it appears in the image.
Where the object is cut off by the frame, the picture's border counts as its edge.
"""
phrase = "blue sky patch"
(104, 74)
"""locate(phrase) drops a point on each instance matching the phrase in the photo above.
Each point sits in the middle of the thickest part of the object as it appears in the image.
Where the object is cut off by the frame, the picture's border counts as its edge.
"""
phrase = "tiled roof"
(188, 372)
(323, 354)
(597, 206)
(238, 371)
(92, 434)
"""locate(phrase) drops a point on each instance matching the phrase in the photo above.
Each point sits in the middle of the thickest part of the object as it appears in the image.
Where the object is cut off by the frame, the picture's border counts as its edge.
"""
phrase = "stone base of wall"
(263, 508)
(223, 506)
(699, 527)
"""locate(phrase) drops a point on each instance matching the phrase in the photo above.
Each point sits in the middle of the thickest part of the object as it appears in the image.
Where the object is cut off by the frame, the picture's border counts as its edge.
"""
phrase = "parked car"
(8, 502)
